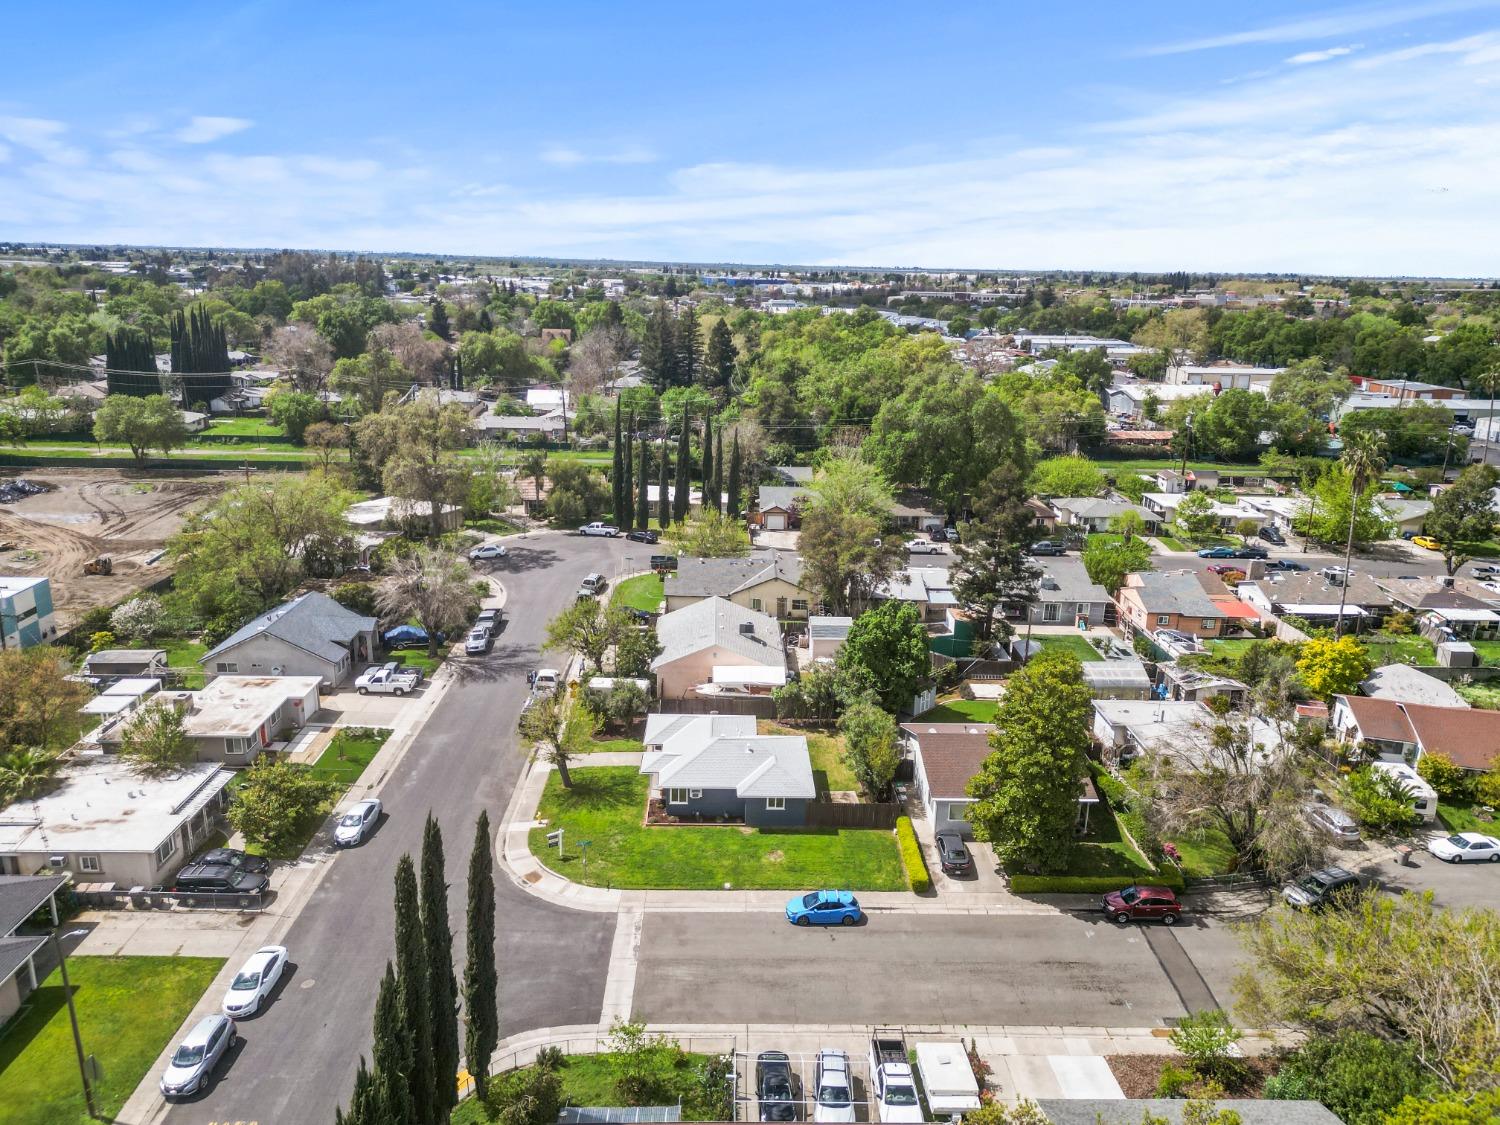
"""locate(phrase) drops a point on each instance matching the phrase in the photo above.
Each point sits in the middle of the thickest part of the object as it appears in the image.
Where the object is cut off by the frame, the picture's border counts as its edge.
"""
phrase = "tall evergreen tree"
(617, 470)
(392, 1054)
(719, 357)
(663, 504)
(708, 462)
(481, 985)
(437, 320)
(643, 492)
(659, 350)
(200, 350)
(681, 487)
(735, 469)
(442, 989)
(718, 489)
(627, 491)
(411, 979)
(689, 347)
(130, 364)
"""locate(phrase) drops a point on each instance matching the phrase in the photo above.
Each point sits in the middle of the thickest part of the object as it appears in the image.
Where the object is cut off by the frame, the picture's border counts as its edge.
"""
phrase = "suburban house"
(1175, 481)
(776, 507)
(21, 896)
(912, 511)
(1164, 505)
(711, 635)
(129, 662)
(1310, 596)
(1223, 376)
(388, 515)
(1093, 513)
(1407, 514)
(1401, 683)
(234, 718)
(1169, 599)
(106, 822)
(1127, 728)
(1178, 682)
(1043, 518)
(1131, 399)
(945, 757)
(765, 581)
(1065, 596)
(550, 427)
(532, 498)
(716, 767)
(1447, 608)
(26, 612)
(122, 696)
(311, 635)
(929, 588)
(826, 635)
(1397, 731)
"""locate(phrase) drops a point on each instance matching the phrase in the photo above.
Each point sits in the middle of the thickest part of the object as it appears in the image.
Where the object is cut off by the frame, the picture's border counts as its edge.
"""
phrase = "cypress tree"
(663, 505)
(438, 321)
(392, 1055)
(627, 491)
(411, 979)
(708, 462)
(719, 471)
(718, 357)
(130, 364)
(659, 350)
(200, 348)
(481, 985)
(442, 990)
(734, 476)
(643, 496)
(617, 471)
(689, 349)
(680, 498)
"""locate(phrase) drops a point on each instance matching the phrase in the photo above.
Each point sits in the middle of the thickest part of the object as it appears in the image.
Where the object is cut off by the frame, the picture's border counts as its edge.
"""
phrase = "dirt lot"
(90, 512)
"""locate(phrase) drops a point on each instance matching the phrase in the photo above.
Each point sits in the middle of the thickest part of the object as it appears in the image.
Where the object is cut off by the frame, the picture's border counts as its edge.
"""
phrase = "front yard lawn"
(1464, 817)
(589, 1080)
(348, 753)
(127, 1009)
(418, 658)
(607, 807)
(1105, 850)
(643, 592)
(1076, 645)
(244, 427)
(826, 748)
(583, 739)
(961, 711)
(1204, 853)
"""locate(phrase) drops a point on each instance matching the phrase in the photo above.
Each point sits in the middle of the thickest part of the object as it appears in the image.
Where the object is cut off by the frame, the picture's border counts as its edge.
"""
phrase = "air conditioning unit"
(57, 861)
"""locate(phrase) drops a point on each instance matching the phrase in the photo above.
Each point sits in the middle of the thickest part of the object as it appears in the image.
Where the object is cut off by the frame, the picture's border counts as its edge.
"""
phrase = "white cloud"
(42, 137)
(203, 130)
(562, 156)
(1328, 26)
(566, 156)
(1307, 57)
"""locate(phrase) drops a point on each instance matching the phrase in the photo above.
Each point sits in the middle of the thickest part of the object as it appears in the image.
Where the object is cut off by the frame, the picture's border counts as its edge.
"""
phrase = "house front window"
(226, 666)
(1050, 611)
(236, 747)
(1081, 609)
(799, 605)
(166, 849)
(90, 864)
(1208, 626)
(755, 604)
(677, 796)
(775, 804)
(1164, 619)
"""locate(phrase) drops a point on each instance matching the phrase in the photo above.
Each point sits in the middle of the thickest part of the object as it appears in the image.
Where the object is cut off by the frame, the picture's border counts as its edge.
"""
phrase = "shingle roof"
(717, 621)
(661, 729)
(1173, 591)
(313, 622)
(1469, 738)
(828, 628)
(1401, 683)
(783, 496)
(951, 754)
(1069, 582)
(21, 896)
(14, 951)
(755, 766)
(696, 577)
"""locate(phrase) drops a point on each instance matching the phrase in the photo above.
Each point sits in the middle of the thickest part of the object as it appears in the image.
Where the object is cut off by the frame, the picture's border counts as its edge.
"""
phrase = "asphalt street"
(298, 1058)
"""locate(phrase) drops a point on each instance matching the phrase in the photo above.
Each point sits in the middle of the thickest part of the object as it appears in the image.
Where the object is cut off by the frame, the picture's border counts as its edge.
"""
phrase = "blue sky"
(1359, 138)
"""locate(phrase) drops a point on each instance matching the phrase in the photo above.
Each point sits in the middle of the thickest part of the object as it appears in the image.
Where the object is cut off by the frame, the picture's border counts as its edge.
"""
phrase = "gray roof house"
(1064, 595)
(311, 635)
(715, 767)
(21, 896)
(776, 506)
(765, 581)
(713, 633)
(1093, 513)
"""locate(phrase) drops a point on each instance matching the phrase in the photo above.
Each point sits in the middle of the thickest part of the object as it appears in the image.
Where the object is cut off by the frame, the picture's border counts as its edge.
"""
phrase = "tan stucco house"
(767, 582)
(711, 634)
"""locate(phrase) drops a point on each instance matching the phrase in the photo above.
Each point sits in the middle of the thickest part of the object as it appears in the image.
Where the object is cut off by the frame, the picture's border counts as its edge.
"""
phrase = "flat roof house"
(21, 896)
(311, 635)
(1169, 599)
(715, 767)
(110, 662)
(25, 612)
(764, 581)
(711, 634)
(106, 822)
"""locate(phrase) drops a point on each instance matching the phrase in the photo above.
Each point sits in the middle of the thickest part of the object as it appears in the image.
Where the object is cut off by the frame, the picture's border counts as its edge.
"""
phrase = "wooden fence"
(826, 814)
(762, 707)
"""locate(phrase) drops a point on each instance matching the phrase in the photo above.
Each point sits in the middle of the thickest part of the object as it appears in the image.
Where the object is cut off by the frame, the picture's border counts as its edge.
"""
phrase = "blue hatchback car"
(824, 908)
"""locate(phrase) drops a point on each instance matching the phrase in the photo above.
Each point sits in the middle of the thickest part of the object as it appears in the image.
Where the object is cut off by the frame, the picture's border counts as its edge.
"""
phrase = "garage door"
(775, 521)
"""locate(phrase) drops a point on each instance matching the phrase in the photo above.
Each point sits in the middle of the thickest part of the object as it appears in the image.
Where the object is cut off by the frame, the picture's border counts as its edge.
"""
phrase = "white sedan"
(488, 551)
(356, 823)
(252, 985)
(1465, 847)
(923, 547)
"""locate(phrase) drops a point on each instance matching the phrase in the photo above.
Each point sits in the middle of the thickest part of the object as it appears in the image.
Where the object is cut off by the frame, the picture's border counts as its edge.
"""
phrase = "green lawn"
(1076, 645)
(607, 807)
(346, 756)
(961, 711)
(1489, 651)
(127, 1009)
(1172, 544)
(1107, 538)
(1484, 696)
(244, 427)
(589, 1080)
(1230, 649)
(826, 748)
(1487, 549)
(1105, 850)
(1387, 649)
(491, 525)
(182, 655)
(643, 592)
(1464, 818)
(418, 658)
(583, 739)
(1204, 853)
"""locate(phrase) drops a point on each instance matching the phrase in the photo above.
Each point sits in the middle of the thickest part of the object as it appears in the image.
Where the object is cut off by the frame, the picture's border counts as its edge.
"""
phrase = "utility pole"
(83, 1062)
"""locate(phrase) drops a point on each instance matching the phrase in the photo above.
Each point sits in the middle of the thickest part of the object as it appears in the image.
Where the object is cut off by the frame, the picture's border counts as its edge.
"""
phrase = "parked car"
(1140, 903)
(1222, 569)
(489, 618)
(478, 642)
(542, 681)
(357, 823)
(233, 857)
(1272, 536)
(834, 1100)
(1320, 888)
(388, 679)
(1047, 547)
(824, 908)
(407, 636)
(218, 879)
(1336, 822)
(1485, 572)
(197, 1056)
(643, 535)
(1250, 553)
(1427, 543)
(252, 985)
(953, 855)
(773, 1086)
(597, 528)
(1284, 564)
(923, 547)
(1217, 553)
(592, 586)
(488, 551)
(1465, 847)
(944, 535)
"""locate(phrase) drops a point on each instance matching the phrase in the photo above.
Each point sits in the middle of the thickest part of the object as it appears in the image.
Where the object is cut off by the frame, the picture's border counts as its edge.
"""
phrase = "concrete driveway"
(1454, 885)
(348, 708)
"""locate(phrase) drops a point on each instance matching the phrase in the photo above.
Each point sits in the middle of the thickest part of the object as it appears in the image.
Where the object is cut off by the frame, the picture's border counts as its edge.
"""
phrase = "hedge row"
(1090, 884)
(911, 856)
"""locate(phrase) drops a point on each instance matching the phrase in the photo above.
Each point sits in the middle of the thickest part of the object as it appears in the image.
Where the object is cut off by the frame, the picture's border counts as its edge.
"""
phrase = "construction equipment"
(102, 565)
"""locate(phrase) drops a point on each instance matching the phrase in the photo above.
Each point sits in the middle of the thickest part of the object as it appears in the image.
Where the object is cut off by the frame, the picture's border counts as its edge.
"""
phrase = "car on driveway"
(1271, 535)
(1427, 542)
(1485, 572)
(478, 642)
(357, 822)
(834, 1100)
(1217, 553)
(1465, 847)
(388, 679)
(407, 636)
(1047, 547)
(1318, 889)
(824, 908)
(923, 547)
(252, 985)
(197, 1055)
(953, 854)
(1335, 822)
(488, 551)
(643, 535)
(1143, 904)
(773, 1086)
(233, 857)
(597, 528)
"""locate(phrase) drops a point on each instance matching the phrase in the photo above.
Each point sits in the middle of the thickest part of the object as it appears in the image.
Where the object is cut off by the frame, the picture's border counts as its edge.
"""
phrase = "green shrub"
(529, 1096)
(1174, 1081)
(1487, 788)
(1380, 801)
(1355, 1074)
(1090, 884)
(357, 597)
(711, 1098)
(911, 856)
(1450, 782)
(1207, 1040)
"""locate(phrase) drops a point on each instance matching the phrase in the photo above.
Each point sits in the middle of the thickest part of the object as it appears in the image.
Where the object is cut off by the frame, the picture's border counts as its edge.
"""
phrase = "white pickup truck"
(388, 679)
(892, 1086)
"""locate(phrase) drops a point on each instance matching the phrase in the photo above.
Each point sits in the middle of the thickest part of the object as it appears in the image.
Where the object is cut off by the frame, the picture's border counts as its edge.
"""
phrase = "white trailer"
(947, 1078)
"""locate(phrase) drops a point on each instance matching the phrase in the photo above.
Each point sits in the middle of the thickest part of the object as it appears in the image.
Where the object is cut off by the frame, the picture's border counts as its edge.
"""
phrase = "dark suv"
(1271, 535)
(773, 1086)
(217, 878)
(1136, 904)
(1320, 888)
(953, 855)
(233, 857)
(1047, 547)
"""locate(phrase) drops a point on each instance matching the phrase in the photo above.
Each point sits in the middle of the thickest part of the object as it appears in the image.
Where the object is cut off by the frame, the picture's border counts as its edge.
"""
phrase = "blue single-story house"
(713, 767)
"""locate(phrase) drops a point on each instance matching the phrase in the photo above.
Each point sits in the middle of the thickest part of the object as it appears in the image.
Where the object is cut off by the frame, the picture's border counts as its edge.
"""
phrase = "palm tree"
(1364, 461)
(431, 585)
(534, 468)
(26, 773)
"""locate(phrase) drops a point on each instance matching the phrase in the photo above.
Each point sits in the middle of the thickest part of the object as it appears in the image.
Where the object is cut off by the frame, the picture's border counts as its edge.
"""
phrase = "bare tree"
(431, 585)
(594, 358)
(303, 356)
(427, 360)
(545, 725)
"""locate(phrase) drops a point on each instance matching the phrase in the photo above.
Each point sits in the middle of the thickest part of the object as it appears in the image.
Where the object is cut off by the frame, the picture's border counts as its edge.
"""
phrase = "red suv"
(1141, 903)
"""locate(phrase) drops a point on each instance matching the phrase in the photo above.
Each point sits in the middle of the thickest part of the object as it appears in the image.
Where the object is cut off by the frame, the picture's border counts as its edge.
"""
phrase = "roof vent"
(747, 628)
